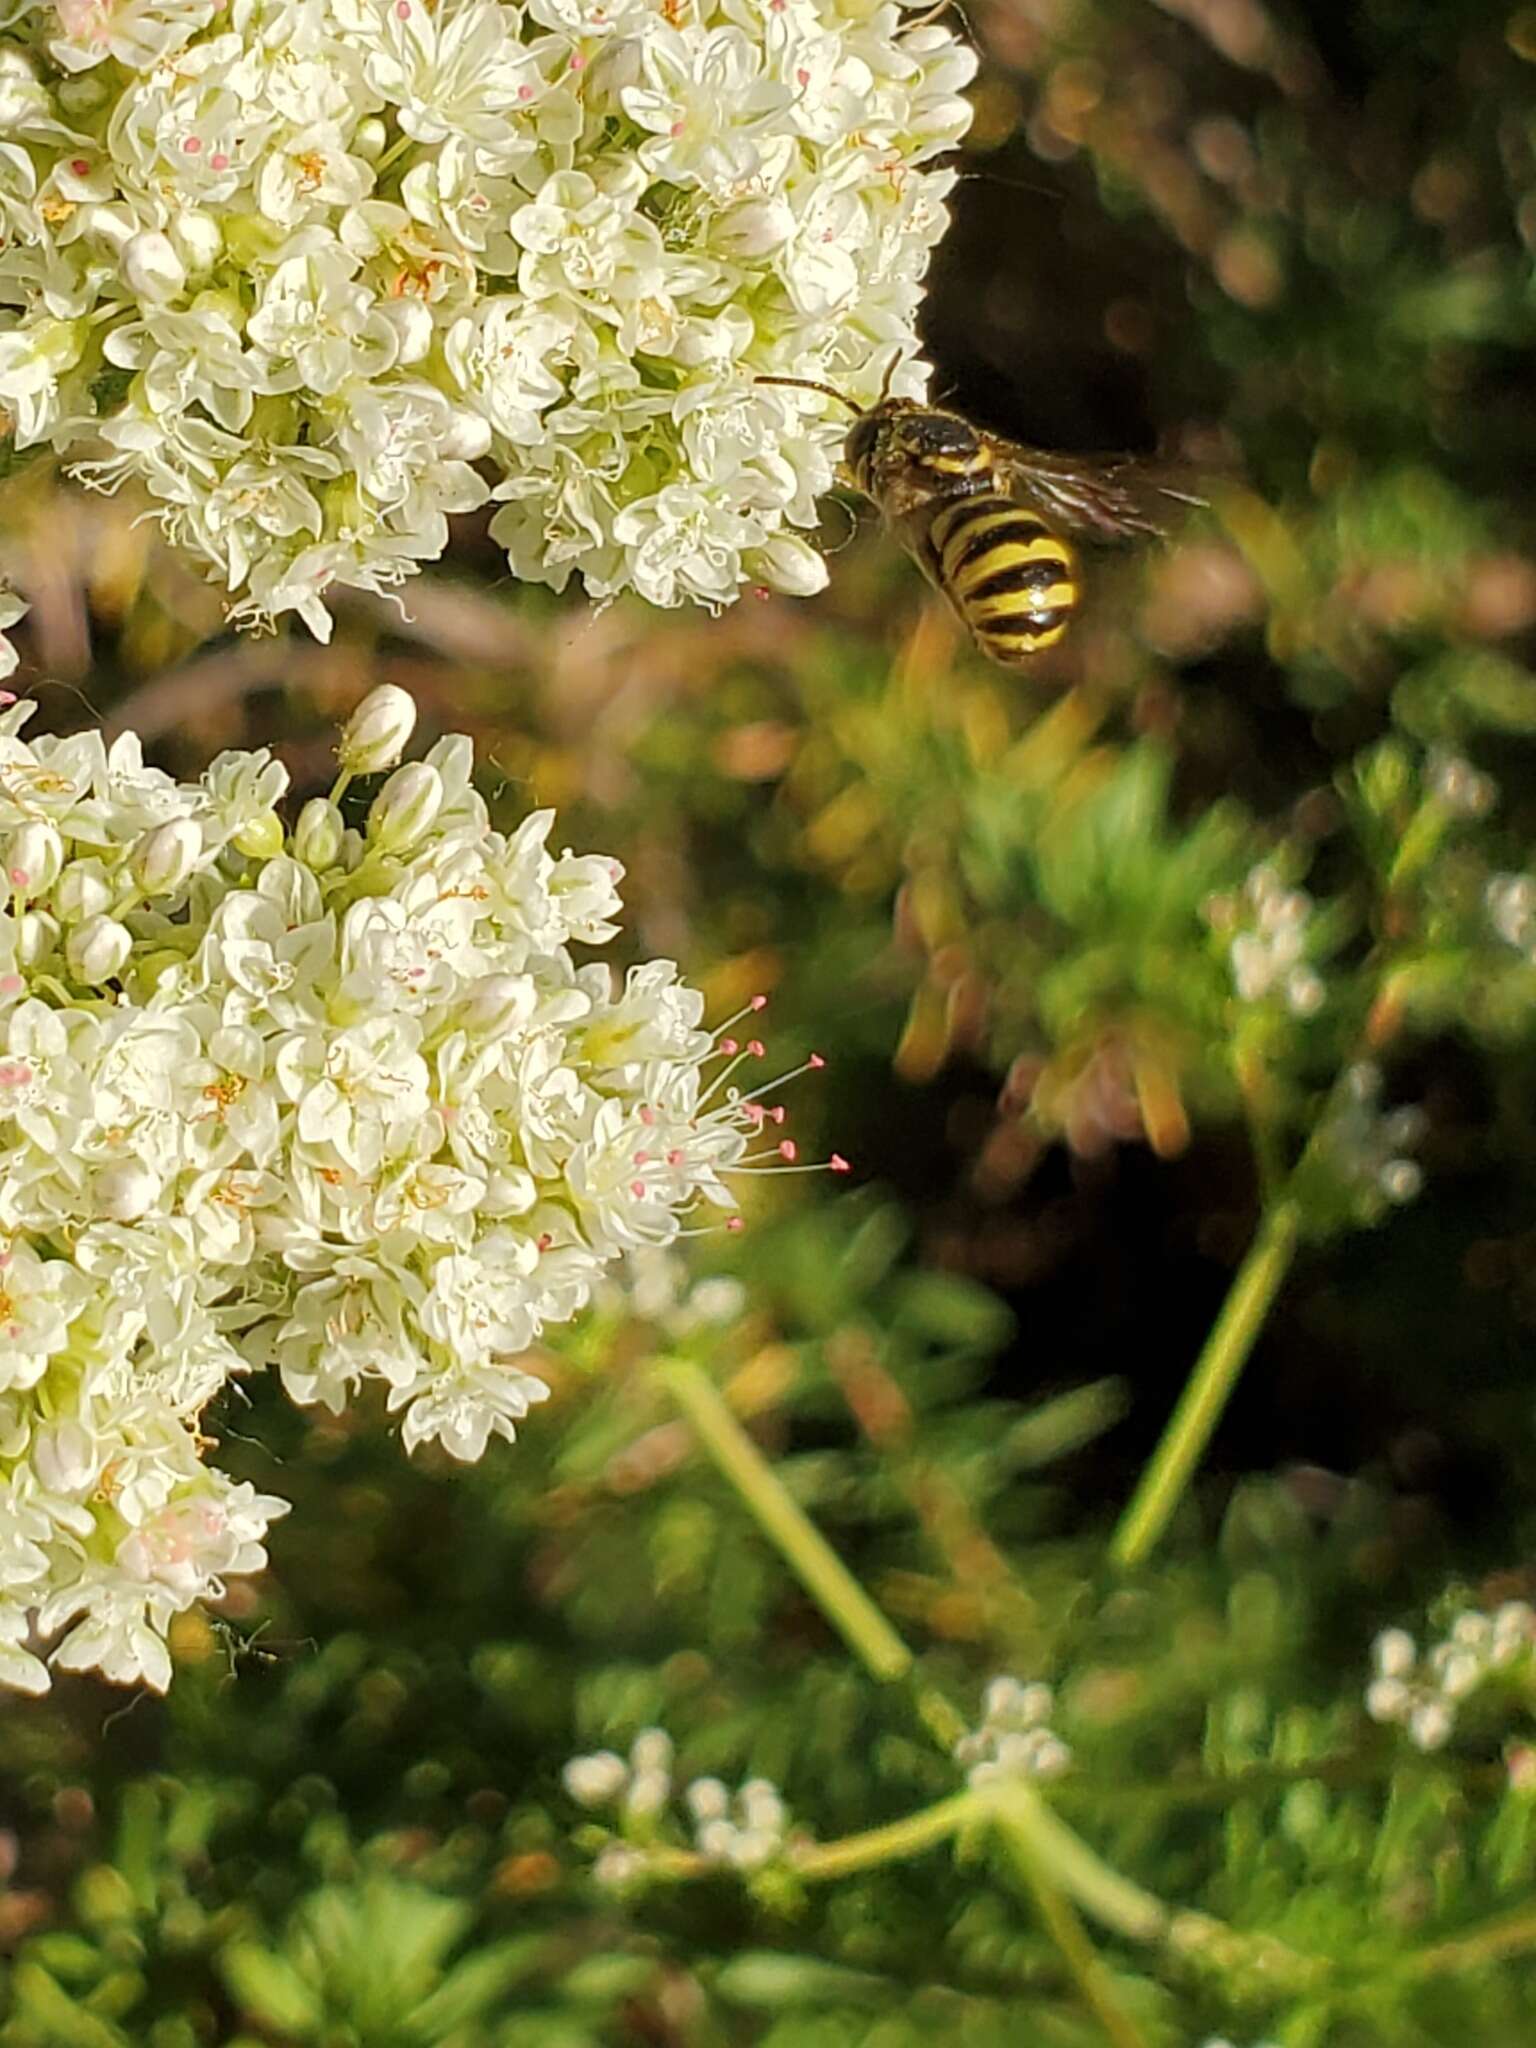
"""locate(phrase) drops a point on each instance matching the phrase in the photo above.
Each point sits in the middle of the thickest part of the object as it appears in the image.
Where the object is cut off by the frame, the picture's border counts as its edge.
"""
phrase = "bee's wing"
(1100, 498)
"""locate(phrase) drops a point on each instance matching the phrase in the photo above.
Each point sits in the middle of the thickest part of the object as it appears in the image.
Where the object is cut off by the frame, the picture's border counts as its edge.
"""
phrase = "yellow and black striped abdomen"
(1013, 581)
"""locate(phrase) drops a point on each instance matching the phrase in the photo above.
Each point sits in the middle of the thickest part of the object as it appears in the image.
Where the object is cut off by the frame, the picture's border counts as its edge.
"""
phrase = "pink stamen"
(756, 1047)
(80, 167)
(14, 1073)
(525, 93)
(728, 1046)
(839, 1164)
(815, 1062)
(8, 697)
(642, 1159)
(674, 1157)
(19, 877)
(647, 1115)
(544, 1240)
(802, 77)
(637, 1189)
(676, 129)
(735, 1223)
(192, 146)
(789, 1150)
(219, 160)
(778, 1112)
(11, 984)
(758, 1003)
(578, 62)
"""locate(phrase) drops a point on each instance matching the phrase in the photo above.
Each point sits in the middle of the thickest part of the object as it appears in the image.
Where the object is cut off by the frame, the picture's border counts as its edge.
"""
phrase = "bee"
(985, 518)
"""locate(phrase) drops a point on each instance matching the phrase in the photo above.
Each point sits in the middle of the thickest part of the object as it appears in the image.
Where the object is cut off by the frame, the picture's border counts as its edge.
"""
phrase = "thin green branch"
(1510, 1934)
(1077, 1951)
(781, 1518)
(1210, 1385)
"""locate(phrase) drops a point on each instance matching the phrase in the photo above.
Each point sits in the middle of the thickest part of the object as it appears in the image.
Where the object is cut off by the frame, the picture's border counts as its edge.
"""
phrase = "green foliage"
(1217, 929)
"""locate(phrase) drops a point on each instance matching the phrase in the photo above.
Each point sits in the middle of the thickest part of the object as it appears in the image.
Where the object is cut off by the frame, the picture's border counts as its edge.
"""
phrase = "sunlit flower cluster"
(297, 266)
(1426, 1695)
(329, 1099)
(1014, 1739)
(740, 1831)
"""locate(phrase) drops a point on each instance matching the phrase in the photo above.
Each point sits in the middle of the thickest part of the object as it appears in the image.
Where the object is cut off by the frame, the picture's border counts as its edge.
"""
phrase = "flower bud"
(98, 949)
(163, 858)
(619, 65)
(34, 855)
(596, 1780)
(414, 327)
(82, 892)
(467, 439)
(317, 835)
(405, 807)
(37, 938)
(755, 228)
(125, 1190)
(64, 1456)
(370, 139)
(374, 736)
(198, 240)
(497, 1003)
(151, 269)
(788, 565)
(260, 837)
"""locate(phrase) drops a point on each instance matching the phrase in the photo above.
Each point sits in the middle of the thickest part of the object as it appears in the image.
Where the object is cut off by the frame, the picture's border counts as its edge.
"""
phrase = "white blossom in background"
(739, 1831)
(319, 274)
(1014, 1739)
(1268, 932)
(1367, 1147)
(340, 1102)
(1425, 1694)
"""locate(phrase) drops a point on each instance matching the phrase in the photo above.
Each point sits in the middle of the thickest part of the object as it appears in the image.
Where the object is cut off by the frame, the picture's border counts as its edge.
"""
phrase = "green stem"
(908, 1836)
(1216, 1370)
(1077, 1951)
(1068, 1863)
(820, 1570)
(1511, 1934)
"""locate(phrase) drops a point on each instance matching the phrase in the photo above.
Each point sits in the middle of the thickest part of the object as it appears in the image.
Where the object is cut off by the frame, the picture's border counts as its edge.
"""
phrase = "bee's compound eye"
(860, 445)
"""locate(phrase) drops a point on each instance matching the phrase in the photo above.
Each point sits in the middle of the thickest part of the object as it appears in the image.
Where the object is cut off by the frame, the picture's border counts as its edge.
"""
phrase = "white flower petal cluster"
(1014, 1739)
(335, 1100)
(1425, 1695)
(299, 266)
(741, 1831)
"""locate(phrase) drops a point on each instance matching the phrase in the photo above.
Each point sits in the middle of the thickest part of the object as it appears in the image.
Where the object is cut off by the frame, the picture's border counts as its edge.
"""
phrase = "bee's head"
(874, 437)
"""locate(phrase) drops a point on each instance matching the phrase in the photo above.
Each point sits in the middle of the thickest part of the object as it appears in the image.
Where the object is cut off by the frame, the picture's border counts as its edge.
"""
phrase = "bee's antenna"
(890, 371)
(826, 390)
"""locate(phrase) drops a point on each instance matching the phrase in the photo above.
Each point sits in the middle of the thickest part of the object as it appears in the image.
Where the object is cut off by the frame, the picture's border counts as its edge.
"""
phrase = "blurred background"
(1290, 247)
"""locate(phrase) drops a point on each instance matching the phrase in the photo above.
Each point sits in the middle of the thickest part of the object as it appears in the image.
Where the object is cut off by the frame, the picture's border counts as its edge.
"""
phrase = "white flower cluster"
(1268, 937)
(1425, 1696)
(297, 266)
(334, 1100)
(742, 1832)
(1366, 1145)
(1015, 1738)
